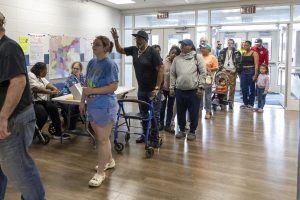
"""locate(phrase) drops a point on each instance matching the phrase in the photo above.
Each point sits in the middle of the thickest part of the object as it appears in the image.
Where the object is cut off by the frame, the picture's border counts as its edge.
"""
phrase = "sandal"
(97, 180)
(109, 165)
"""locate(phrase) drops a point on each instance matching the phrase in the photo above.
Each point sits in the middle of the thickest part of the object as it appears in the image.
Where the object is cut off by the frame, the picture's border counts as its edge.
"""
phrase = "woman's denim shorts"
(102, 116)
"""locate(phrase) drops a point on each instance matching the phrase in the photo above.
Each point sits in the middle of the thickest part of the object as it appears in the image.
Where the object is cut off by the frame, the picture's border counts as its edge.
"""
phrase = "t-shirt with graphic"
(101, 73)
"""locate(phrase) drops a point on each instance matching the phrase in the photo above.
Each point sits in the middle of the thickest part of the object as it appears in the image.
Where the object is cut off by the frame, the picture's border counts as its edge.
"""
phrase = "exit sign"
(162, 15)
(248, 9)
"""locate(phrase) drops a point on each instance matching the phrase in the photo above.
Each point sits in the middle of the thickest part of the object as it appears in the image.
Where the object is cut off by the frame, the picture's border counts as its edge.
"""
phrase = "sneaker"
(255, 109)
(191, 136)
(180, 135)
(169, 129)
(243, 106)
(260, 110)
(109, 165)
(249, 107)
(141, 139)
(64, 136)
(97, 180)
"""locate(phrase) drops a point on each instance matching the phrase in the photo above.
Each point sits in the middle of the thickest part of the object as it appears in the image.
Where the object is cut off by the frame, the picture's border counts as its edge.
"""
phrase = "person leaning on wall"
(17, 122)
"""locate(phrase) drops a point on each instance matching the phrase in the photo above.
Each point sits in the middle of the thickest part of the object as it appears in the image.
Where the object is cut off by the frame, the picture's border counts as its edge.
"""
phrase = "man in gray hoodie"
(187, 77)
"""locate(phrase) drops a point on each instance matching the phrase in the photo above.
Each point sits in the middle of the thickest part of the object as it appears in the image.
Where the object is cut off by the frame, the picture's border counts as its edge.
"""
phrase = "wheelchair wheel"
(46, 139)
(51, 129)
(149, 152)
(127, 137)
(119, 147)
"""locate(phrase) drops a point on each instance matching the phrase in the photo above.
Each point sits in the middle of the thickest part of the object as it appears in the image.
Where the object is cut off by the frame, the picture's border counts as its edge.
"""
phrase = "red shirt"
(263, 55)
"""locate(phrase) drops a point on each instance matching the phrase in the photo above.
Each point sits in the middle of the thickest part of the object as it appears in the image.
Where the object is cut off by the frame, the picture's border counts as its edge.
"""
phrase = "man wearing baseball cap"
(262, 52)
(149, 74)
(187, 77)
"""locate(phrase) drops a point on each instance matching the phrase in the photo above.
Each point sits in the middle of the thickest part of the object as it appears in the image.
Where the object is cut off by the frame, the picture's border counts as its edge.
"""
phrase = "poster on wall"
(63, 51)
(88, 51)
(23, 41)
(37, 43)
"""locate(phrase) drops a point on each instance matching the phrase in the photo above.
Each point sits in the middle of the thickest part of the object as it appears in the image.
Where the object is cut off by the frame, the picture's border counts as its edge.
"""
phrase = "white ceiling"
(159, 3)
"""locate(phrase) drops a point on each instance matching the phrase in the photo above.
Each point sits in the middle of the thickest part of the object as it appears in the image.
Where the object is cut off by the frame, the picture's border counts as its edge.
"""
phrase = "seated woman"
(75, 77)
(41, 89)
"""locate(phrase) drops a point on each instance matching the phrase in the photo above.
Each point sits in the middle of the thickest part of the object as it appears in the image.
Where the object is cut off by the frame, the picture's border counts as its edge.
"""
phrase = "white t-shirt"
(228, 64)
(38, 82)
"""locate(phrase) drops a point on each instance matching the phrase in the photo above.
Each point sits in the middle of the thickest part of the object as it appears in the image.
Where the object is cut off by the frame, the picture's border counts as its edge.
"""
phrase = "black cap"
(142, 34)
(258, 40)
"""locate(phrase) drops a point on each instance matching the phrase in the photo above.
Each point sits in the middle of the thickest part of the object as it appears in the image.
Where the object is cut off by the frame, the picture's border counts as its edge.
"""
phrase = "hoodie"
(184, 74)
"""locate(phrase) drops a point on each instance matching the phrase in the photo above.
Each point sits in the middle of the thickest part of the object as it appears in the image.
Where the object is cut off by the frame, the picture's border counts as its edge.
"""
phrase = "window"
(263, 14)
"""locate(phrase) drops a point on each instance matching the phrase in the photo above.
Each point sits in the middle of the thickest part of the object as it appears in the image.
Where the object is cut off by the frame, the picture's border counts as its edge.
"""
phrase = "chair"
(128, 116)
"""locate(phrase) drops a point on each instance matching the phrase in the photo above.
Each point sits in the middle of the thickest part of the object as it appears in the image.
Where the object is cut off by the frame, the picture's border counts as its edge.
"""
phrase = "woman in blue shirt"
(75, 77)
(101, 82)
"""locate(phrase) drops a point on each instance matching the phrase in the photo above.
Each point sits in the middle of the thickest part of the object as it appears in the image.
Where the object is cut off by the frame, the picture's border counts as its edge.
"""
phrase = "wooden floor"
(236, 156)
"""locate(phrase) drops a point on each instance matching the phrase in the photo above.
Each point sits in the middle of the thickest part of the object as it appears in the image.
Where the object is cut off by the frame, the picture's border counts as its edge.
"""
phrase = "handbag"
(209, 80)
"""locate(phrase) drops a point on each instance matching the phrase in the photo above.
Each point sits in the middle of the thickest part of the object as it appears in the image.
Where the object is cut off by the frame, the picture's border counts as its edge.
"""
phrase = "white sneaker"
(109, 165)
(97, 180)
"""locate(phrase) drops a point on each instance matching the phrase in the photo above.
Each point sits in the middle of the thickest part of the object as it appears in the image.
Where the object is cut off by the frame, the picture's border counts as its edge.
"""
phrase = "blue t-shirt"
(72, 80)
(101, 73)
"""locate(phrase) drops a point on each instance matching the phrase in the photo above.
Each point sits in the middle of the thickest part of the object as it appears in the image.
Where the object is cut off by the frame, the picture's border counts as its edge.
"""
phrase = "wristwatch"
(156, 88)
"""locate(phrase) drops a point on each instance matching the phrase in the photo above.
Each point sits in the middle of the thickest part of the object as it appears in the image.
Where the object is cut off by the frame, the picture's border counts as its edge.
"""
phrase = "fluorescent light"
(121, 1)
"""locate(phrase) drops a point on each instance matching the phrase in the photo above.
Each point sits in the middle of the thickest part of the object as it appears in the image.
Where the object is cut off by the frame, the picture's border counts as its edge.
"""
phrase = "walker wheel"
(127, 137)
(119, 147)
(149, 152)
(46, 139)
(51, 129)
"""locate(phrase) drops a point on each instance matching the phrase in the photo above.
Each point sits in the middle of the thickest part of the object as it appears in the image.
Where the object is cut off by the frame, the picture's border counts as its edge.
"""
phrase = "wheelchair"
(43, 138)
(150, 142)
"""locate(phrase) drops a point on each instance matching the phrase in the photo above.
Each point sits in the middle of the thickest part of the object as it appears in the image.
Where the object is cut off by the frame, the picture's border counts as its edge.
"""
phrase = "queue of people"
(182, 78)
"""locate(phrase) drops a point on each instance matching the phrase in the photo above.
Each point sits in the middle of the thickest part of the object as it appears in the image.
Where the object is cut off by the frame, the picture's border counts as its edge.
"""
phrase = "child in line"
(262, 84)
(220, 93)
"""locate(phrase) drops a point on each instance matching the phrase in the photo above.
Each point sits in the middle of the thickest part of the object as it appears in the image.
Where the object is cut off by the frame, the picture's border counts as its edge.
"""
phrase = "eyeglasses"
(96, 45)
(75, 68)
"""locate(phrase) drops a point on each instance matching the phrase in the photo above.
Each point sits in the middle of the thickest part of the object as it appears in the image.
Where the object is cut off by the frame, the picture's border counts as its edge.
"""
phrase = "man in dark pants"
(17, 122)
(148, 69)
(187, 78)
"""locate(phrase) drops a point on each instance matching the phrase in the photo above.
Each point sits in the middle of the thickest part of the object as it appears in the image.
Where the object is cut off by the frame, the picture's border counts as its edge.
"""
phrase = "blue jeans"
(261, 97)
(248, 86)
(169, 106)
(207, 98)
(187, 100)
(145, 96)
(16, 164)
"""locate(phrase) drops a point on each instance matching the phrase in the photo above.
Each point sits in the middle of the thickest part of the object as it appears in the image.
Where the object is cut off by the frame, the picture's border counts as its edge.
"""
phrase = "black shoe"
(169, 129)
(141, 139)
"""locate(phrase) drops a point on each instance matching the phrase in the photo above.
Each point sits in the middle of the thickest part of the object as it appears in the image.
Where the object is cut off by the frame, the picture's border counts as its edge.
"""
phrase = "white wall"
(58, 17)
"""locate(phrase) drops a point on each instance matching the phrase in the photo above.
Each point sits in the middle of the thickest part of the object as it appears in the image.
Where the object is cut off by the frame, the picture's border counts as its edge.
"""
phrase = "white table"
(68, 99)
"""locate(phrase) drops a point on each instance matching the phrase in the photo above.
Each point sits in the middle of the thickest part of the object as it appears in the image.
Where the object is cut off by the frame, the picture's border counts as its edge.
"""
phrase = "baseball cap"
(142, 34)
(187, 42)
(258, 41)
(205, 46)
